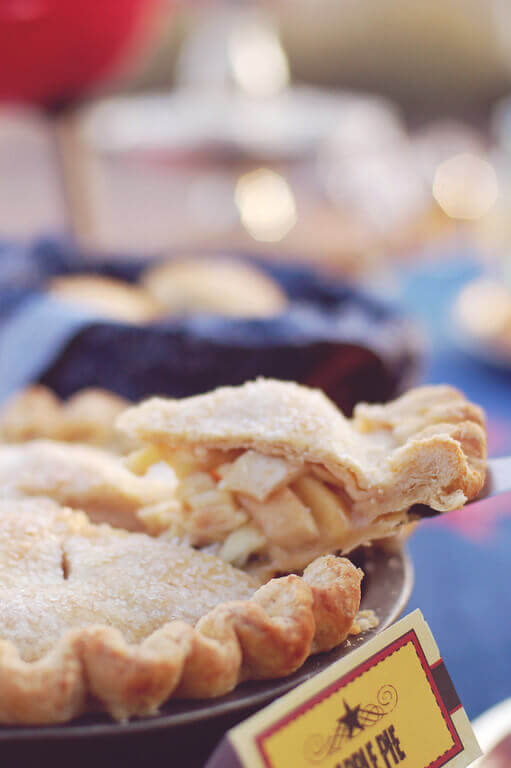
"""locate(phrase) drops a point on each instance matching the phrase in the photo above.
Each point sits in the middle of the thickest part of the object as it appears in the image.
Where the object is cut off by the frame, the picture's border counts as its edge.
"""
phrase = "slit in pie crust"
(273, 475)
(92, 617)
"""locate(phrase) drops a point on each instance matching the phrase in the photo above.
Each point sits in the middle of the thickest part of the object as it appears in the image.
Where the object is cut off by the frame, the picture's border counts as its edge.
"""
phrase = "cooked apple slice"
(284, 519)
(197, 483)
(241, 544)
(326, 506)
(140, 461)
(257, 475)
(214, 515)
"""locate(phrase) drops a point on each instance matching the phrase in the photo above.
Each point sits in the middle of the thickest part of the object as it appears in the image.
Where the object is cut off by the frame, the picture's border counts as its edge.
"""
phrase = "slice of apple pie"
(272, 475)
(93, 617)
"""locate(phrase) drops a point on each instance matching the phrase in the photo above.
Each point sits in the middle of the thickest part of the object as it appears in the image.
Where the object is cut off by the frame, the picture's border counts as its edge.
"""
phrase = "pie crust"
(307, 480)
(90, 479)
(106, 297)
(219, 286)
(96, 618)
(86, 417)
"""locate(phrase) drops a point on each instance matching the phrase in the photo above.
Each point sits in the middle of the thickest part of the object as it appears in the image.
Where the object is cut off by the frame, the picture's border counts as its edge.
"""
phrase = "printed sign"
(389, 703)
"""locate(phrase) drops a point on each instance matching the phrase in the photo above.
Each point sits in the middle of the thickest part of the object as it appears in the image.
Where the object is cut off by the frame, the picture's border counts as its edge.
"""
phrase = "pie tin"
(185, 732)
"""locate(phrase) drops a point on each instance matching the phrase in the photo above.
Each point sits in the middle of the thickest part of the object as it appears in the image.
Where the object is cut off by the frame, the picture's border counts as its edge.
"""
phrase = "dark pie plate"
(186, 732)
(331, 335)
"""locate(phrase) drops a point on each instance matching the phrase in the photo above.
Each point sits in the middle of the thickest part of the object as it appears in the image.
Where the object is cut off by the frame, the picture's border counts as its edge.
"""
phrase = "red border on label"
(408, 637)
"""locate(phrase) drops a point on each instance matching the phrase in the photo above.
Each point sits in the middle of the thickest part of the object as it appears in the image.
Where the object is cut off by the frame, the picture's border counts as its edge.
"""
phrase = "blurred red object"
(50, 50)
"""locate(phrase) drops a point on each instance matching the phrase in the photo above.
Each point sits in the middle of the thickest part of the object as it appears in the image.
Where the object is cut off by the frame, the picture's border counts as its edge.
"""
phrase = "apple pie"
(96, 618)
(86, 417)
(272, 475)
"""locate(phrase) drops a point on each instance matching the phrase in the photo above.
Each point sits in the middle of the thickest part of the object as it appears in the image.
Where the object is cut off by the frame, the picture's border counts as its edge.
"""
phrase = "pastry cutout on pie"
(275, 474)
(95, 617)
(214, 285)
(89, 479)
(106, 296)
(86, 417)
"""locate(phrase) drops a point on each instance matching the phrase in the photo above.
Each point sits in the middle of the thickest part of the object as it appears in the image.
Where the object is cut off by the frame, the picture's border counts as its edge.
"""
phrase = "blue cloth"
(32, 338)
(463, 559)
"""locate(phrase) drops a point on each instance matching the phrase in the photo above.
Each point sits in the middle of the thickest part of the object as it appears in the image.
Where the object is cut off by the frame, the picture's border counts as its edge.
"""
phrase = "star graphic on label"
(351, 719)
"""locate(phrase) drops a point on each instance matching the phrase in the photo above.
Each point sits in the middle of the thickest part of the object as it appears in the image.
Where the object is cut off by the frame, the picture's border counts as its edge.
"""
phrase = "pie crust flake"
(274, 475)
(92, 617)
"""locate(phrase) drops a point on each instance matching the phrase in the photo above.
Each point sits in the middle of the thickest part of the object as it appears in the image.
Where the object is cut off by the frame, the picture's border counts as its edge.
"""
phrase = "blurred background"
(368, 141)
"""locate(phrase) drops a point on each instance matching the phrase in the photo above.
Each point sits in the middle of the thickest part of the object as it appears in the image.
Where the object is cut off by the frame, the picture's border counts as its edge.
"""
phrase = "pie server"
(498, 480)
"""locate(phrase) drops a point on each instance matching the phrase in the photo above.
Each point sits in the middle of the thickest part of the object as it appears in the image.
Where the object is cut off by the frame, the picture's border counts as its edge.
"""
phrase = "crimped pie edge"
(268, 636)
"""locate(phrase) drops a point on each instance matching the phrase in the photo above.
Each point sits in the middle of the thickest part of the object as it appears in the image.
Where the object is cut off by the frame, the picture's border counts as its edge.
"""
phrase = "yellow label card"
(389, 703)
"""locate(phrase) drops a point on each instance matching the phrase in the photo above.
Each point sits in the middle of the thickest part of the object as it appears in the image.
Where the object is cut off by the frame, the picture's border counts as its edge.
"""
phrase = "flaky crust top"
(428, 446)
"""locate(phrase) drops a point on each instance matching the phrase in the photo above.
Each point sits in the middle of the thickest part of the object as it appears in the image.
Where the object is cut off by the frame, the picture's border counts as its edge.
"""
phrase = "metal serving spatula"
(498, 480)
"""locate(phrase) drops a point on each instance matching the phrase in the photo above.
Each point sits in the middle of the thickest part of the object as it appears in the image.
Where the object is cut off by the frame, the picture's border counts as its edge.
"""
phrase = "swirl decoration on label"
(355, 720)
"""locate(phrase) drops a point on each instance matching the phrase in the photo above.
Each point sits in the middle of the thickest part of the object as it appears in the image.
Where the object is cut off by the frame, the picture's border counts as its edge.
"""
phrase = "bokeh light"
(266, 205)
(465, 186)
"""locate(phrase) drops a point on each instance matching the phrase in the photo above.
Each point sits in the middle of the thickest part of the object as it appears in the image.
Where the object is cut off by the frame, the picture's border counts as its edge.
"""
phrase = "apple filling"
(263, 513)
